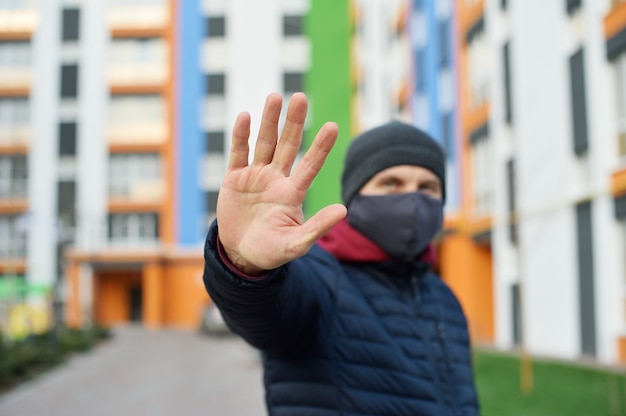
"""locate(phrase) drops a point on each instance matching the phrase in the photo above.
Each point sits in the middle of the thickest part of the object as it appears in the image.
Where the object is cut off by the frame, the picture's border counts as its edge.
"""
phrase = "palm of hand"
(259, 211)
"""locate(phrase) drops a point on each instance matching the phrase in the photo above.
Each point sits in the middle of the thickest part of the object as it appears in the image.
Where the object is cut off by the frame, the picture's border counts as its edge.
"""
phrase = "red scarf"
(347, 244)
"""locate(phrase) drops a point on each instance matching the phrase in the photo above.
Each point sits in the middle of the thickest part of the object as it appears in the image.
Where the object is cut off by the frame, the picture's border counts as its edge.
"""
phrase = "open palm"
(259, 208)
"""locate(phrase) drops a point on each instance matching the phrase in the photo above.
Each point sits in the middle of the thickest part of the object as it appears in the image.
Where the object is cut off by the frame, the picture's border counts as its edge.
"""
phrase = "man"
(355, 324)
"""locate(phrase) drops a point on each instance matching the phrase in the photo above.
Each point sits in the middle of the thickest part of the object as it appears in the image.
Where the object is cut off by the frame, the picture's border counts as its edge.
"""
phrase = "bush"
(20, 361)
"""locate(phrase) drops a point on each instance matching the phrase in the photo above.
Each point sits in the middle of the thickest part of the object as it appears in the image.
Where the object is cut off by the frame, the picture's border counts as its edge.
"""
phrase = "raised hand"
(259, 208)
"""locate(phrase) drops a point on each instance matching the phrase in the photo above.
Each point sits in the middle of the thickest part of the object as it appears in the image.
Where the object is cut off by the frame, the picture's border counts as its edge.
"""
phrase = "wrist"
(233, 261)
(242, 265)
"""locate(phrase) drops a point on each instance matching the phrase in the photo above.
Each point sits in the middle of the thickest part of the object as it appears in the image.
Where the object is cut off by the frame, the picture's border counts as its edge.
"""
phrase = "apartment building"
(614, 329)
(555, 164)
(466, 249)
(114, 126)
(361, 76)
(250, 49)
(432, 30)
(17, 25)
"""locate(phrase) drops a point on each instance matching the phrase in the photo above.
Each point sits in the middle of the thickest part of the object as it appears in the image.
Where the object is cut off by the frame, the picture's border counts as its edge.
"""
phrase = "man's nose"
(411, 187)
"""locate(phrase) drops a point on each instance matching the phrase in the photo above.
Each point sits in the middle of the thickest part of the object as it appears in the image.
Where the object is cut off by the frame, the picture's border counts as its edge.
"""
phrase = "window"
(508, 100)
(478, 72)
(132, 109)
(619, 65)
(134, 175)
(13, 176)
(293, 25)
(14, 112)
(620, 209)
(215, 142)
(447, 135)
(66, 204)
(478, 64)
(136, 51)
(482, 176)
(444, 44)
(572, 5)
(67, 139)
(133, 229)
(211, 202)
(586, 278)
(69, 81)
(216, 84)
(70, 25)
(216, 27)
(12, 237)
(516, 314)
(512, 200)
(293, 82)
(15, 54)
(579, 102)
(420, 70)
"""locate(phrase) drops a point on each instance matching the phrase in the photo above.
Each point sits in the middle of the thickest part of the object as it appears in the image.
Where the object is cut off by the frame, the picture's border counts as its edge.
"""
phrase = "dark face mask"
(402, 225)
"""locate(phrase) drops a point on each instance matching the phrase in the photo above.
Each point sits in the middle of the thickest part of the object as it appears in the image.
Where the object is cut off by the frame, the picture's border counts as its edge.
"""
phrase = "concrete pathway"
(148, 373)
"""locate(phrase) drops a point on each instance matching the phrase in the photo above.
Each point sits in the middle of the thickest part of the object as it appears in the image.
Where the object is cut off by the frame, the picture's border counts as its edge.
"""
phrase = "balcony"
(13, 188)
(137, 191)
(15, 79)
(147, 134)
(19, 22)
(137, 64)
(138, 18)
(14, 139)
(12, 240)
(137, 77)
(137, 119)
(618, 182)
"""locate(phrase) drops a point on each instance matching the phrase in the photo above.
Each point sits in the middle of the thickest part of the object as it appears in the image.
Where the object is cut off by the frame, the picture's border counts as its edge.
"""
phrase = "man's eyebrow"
(389, 176)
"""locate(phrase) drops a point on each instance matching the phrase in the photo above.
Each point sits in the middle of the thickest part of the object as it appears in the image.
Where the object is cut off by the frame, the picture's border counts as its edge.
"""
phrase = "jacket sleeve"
(279, 312)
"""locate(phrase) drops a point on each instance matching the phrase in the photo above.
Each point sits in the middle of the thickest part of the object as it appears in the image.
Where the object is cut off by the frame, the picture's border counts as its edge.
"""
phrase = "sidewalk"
(148, 373)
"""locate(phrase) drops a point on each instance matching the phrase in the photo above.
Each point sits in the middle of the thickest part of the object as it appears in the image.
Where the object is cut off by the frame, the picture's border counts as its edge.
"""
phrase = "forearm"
(270, 312)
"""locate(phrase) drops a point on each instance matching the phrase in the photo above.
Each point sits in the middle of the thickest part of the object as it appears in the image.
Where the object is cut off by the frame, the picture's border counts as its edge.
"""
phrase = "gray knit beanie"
(382, 147)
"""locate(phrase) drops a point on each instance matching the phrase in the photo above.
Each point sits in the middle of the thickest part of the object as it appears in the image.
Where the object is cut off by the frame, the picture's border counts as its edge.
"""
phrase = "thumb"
(318, 225)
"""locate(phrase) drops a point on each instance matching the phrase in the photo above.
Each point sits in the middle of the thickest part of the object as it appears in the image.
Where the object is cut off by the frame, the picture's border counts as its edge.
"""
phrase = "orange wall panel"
(73, 304)
(185, 297)
(621, 348)
(152, 284)
(618, 181)
(615, 21)
(167, 217)
(466, 268)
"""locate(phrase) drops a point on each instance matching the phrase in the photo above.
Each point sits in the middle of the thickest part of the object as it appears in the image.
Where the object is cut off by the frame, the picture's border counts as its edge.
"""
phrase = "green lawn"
(559, 389)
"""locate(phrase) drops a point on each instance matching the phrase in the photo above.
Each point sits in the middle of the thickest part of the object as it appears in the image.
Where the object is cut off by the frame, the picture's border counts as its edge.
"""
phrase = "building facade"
(114, 126)
(115, 120)
(556, 162)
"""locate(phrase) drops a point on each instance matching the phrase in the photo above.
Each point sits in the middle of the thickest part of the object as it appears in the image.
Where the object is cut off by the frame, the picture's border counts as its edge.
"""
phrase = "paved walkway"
(145, 373)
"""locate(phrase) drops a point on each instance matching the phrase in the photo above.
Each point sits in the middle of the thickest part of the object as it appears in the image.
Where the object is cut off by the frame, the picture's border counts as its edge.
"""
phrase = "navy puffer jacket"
(350, 339)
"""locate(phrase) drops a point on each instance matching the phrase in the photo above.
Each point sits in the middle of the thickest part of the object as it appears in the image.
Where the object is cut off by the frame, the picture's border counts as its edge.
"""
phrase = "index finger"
(314, 158)
(239, 149)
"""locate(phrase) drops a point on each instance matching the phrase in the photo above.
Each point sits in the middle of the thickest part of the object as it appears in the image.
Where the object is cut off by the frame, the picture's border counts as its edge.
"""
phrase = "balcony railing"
(137, 14)
(137, 191)
(21, 18)
(13, 189)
